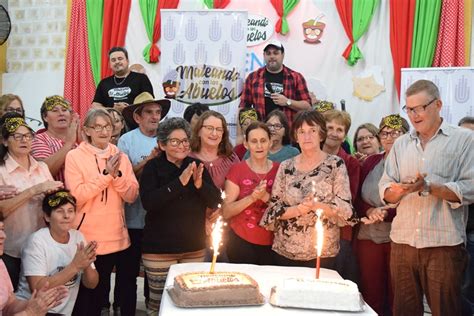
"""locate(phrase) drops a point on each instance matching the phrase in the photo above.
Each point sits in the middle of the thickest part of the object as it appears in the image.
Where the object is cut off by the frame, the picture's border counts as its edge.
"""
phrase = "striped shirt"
(448, 158)
(44, 146)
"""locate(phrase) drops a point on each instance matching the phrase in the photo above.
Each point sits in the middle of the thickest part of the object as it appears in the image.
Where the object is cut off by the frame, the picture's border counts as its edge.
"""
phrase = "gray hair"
(423, 86)
(92, 116)
(166, 127)
(466, 120)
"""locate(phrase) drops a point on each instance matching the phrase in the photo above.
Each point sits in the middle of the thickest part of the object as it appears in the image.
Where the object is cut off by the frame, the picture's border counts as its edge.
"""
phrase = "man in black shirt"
(120, 89)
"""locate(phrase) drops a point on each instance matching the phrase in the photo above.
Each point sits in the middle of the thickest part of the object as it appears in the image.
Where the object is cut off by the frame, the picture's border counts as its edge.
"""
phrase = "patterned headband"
(56, 100)
(323, 106)
(56, 198)
(248, 114)
(12, 124)
(394, 121)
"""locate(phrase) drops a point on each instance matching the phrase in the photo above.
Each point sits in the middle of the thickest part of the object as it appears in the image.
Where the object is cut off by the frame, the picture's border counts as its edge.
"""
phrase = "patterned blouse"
(295, 237)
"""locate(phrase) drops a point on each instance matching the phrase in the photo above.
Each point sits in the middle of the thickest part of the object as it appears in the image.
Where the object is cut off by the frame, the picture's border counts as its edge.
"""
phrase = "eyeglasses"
(19, 136)
(360, 139)
(14, 110)
(174, 142)
(417, 109)
(276, 126)
(211, 129)
(393, 134)
(100, 128)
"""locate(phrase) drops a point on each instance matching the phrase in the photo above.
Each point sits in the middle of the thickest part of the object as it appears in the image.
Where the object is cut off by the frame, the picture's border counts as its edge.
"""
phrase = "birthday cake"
(340, 295)
(203, 289)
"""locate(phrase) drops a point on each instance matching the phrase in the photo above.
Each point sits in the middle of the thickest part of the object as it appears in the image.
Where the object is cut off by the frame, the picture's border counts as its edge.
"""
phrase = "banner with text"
(203, 60)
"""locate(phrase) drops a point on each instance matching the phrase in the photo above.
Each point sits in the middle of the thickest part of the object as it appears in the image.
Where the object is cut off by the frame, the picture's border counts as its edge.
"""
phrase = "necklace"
(119, 83)
(205, 159)
(268, 168)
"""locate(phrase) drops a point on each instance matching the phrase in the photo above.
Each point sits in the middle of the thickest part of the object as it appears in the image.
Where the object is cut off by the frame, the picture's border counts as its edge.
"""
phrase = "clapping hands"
(195, 171)
(113, 164)
(85, 255)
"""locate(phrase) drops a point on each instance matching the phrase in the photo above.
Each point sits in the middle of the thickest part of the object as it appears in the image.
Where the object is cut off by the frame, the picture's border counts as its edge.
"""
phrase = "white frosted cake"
(200, 289)
(327, 294)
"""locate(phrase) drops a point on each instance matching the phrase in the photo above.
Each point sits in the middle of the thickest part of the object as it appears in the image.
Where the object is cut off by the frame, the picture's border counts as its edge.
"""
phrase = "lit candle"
(216, 240)
(319, 240)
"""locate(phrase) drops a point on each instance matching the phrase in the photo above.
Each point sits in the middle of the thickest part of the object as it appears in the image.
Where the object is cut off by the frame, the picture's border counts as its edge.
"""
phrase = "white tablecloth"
(266, 276)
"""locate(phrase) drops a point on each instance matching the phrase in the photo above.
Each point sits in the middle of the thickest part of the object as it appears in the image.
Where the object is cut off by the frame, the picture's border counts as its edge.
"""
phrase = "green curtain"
(148, 10)
(209, 4)
(288, 5)
(425, 32)
(95, 19)
(362, 13)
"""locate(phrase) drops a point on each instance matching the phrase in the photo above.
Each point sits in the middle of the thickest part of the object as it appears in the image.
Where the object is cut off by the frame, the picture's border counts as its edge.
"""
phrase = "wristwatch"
(288, 102)
(426, 188)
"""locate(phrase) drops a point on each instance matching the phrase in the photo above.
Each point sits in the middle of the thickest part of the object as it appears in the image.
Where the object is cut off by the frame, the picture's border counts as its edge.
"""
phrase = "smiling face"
(258, 143)
(19, 142)
(273, 58)
(58, 118)
(176, 147)
(424, 121)
(211, 132)
(62, 218)
(118, 62)
(100, 138)
(336, 132)
(367, 143)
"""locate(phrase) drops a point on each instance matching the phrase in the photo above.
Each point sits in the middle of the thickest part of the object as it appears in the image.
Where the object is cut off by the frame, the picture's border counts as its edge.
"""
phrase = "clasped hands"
(311, 203)
(409, 185)
(195, 171)
(260, 192)
(113, 165)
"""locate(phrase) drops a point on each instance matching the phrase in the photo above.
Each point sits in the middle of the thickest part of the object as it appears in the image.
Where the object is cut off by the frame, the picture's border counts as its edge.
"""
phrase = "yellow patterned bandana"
(323, 106)
(394, 121)
(248, 114)
(56, 100)
(56, 198)
(12, 124)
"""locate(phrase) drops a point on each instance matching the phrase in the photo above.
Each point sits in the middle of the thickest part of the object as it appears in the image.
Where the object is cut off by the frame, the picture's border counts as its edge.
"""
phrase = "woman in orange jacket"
(102, 179)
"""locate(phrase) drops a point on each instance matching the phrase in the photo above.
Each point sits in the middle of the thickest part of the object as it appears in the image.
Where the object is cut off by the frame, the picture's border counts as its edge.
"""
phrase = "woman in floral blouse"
(305, 183)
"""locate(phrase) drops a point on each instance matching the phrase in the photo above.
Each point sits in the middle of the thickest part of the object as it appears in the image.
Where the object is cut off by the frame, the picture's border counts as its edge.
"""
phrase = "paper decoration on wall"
(313, 30)
(367, 88)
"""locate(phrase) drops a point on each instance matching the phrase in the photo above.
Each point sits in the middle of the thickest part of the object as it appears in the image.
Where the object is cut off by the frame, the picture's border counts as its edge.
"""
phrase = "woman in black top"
(175, 191)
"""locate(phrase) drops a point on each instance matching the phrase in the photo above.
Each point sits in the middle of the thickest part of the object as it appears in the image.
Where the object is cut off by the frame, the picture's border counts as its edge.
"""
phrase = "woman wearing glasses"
(60, 136)
(305, 183)
(101, 178)
(32, 179)
(11, 103)
(175, 190)
(366, 141)
(280, 147)
(248, 187)
(373, 244)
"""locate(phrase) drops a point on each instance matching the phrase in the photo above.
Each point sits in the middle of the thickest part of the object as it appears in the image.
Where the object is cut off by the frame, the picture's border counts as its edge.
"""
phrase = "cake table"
(266, 276)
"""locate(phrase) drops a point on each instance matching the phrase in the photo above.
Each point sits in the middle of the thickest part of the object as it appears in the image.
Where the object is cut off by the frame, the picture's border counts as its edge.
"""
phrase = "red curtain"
(450, 46)
(221, 4)
(116, 14)
(79, 87)
(402, 17)
(162, 4)
(278, 5)
(344, 8)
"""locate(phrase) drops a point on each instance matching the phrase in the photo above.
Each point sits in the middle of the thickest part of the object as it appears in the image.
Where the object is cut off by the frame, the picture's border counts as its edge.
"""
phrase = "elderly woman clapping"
(175, 190)
(31, 178)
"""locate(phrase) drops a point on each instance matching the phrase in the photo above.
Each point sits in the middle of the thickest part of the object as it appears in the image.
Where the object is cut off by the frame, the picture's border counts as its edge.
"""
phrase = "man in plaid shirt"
(275, 86)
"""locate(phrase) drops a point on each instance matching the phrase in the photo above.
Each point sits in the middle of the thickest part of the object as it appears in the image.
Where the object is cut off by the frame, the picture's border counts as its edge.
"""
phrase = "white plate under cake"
(204, 289)
(326, 294)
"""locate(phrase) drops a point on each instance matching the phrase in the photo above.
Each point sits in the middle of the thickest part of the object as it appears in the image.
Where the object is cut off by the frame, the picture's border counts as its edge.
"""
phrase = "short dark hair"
(284, 121)
(196, 108)
(312, 118)
(54, 200)
(466, 120)
(257, 125)
(166, 127)
(118, 49)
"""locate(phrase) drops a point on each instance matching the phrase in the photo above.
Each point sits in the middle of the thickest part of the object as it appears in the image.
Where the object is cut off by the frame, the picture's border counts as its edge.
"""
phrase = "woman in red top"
(248, 187)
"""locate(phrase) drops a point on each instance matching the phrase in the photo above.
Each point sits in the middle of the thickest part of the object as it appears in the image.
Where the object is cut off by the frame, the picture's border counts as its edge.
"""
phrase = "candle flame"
(319, 232)
(216, 235)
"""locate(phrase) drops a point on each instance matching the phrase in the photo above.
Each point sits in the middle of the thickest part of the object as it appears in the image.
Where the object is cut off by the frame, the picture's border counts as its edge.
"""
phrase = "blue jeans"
(468, 284)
